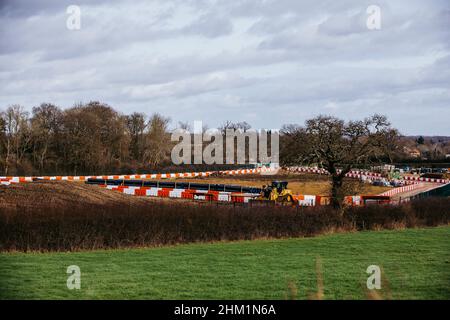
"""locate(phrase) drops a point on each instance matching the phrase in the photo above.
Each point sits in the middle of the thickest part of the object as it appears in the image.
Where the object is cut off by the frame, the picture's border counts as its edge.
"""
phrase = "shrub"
(86, 226)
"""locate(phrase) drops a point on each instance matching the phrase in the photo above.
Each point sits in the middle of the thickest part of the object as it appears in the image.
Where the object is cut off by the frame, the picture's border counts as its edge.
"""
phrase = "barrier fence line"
(367, 174)
(192, 194)
(443, 181)
(352, 173)
(6, 180)
(398, 190)
(223, 196)
(208, 195)
(9, 179)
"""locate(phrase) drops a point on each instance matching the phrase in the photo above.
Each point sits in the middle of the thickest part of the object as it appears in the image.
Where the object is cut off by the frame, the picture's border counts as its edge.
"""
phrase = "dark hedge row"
(85, 226)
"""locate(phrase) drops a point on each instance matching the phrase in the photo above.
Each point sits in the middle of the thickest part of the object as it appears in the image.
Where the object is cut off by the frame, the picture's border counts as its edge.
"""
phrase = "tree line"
(94, 138)
(88, 138)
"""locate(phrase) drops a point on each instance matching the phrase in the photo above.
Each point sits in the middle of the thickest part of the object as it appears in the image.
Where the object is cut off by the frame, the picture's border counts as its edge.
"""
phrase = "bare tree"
(136, 125)
(337, 146)
(82, 147)
(244, 126)
(17, 133)
(184, 125)
(228, 125)
(294, 145)
(45, 125)
(3, 142)
(111, 126)
(158, 143)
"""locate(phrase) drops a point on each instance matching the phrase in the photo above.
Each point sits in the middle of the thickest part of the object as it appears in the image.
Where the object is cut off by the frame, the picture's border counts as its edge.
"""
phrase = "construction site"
(222, 150)
(296, 186)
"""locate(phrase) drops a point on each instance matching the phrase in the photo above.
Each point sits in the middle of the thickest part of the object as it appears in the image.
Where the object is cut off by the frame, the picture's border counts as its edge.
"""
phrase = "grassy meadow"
(415, 263)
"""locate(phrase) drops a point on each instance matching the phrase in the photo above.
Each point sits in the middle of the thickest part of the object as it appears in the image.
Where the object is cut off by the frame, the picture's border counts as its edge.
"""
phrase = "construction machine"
(277, 192)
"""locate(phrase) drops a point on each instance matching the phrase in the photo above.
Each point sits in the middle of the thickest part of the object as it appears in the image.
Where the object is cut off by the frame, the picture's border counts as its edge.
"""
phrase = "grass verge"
(416, 264)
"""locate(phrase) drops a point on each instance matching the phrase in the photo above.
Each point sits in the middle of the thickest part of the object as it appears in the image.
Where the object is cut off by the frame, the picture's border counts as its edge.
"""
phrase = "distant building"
(383, 168)
(415, 154)
(412, 152)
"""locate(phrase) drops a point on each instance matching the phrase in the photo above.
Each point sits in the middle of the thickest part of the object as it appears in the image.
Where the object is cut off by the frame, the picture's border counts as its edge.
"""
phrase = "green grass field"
(416, 263)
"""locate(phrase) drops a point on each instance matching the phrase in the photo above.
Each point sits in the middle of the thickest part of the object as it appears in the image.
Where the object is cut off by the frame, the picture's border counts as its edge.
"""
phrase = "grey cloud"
(210, 25)
(210, 60)
(190, 87)
(344, 25)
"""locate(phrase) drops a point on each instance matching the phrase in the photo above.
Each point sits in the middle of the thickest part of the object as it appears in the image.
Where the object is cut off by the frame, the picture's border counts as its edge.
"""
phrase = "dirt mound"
(54, 193)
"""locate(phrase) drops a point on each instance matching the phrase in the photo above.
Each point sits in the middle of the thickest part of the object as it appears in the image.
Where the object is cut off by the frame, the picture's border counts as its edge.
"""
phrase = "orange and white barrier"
(367, 175)
(419, 179)
(398, 190)
(353, 200)
(222, 196)
(192, 194)
(5, 182)
(352, 174)
(307, 200)
(307, 170)
(10, 180)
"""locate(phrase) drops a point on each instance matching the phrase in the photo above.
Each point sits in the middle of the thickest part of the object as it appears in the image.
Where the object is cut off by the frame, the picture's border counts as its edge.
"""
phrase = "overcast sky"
(269, 62)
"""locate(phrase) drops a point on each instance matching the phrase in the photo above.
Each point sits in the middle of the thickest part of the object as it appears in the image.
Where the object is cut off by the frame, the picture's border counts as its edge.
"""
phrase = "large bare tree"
(17, 136)
(46, 124)
(3, 143)
(338, 146)
(157, 144)
(136, 126)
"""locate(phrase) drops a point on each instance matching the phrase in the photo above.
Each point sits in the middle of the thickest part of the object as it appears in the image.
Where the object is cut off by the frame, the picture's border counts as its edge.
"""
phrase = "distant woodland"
(94, 138)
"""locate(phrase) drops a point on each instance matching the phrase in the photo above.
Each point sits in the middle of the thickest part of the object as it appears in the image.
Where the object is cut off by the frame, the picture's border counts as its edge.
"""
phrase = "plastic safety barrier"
(398, 190)
(192, 194)
(152, 176)
(367, 175)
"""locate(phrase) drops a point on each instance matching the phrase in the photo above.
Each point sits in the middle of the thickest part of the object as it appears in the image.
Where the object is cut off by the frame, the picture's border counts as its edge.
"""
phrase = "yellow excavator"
(277, 192)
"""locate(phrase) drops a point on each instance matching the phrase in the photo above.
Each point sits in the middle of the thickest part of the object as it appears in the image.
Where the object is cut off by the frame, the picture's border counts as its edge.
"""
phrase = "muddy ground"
(56, 193)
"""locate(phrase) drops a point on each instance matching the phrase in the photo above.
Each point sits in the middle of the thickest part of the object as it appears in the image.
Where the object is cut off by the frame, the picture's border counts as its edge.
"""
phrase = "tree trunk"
(336, 193)
(42, 160)
(336, 185)
(8, 152)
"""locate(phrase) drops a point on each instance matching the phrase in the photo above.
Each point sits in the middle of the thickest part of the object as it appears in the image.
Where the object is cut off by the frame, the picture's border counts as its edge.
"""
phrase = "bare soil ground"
(62, 192)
